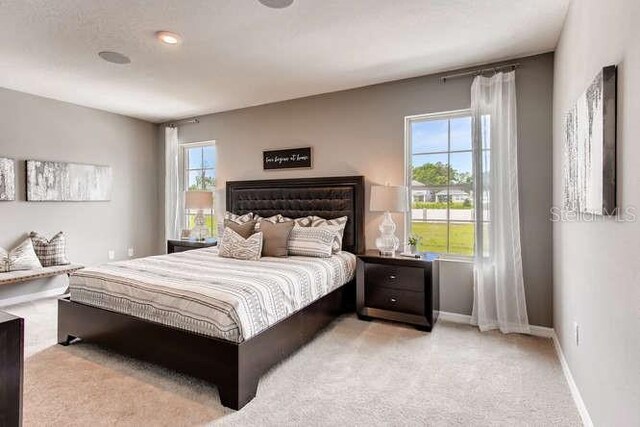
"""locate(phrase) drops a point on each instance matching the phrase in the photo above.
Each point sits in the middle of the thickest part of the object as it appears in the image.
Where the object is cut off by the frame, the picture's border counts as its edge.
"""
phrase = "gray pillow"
(22, 257)
(238, 219)
(233, 245)
(50, 252)
(244, 229)
(275, 238)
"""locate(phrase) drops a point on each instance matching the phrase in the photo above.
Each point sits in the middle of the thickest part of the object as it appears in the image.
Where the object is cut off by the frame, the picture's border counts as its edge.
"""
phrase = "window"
(199, 164)
(440, 178)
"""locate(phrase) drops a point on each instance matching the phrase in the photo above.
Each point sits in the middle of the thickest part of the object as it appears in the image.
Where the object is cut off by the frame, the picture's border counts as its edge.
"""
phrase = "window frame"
(183, 179)
(408, 163)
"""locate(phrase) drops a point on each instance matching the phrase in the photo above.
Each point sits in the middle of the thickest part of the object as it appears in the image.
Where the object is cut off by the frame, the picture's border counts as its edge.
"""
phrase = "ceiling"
(238, 53)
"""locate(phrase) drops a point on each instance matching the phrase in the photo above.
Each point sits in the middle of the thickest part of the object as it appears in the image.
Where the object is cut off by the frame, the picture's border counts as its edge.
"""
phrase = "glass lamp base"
(387, 243)
(200, 232)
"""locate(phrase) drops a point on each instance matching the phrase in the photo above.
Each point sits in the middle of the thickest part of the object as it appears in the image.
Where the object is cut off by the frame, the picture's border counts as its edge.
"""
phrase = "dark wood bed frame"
(235, 368)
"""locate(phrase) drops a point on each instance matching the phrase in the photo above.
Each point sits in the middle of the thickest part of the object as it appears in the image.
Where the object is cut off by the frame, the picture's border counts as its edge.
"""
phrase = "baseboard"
(575, 392)
(542, 331)
(447, 316)
(32, 297)
(465, 319)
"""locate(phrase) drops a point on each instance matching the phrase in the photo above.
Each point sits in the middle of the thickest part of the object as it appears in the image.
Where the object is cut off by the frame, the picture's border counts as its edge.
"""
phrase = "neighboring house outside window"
(440, 178)
(199, 167)
(452, 195)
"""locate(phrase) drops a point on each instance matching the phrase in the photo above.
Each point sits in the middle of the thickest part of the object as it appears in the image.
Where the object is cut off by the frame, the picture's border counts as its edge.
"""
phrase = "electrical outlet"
(576, 333)
(130, 252)
(112, 254)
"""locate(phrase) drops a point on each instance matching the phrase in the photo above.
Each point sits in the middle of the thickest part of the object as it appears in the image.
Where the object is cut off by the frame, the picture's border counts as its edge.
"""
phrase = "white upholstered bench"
(40, 273)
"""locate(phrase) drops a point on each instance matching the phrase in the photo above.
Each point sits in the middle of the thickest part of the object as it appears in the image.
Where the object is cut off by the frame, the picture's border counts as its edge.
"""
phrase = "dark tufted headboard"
(328, 198)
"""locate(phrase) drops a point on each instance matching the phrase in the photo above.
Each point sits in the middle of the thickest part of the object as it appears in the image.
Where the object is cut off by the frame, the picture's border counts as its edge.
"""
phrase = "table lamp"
(199, 200)
(387, 199)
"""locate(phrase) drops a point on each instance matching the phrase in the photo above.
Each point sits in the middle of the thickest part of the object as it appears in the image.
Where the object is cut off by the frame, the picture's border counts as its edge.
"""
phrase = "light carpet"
(355, 373)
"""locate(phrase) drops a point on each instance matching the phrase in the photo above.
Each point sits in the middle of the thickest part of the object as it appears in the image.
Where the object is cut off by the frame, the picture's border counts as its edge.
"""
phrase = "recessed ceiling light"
(168, 37)
(114, 57)
(276, 4)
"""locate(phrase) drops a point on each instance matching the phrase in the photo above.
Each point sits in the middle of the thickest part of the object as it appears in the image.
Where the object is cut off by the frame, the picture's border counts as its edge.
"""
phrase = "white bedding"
(201, 292)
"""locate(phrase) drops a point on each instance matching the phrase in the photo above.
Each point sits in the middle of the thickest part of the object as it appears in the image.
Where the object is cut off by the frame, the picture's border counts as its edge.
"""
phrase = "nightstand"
(397, 288)
(187, 245)
(11, 369)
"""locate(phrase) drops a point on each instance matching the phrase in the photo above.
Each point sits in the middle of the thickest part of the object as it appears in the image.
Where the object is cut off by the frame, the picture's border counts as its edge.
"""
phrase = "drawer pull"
(392, 277)
(393, 300)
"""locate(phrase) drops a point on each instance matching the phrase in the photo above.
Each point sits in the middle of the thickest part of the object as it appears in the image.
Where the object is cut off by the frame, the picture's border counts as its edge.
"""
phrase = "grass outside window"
(433, 237)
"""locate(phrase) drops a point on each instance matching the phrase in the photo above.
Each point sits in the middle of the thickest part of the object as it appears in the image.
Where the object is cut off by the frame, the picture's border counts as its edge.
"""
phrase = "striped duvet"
(201, 292)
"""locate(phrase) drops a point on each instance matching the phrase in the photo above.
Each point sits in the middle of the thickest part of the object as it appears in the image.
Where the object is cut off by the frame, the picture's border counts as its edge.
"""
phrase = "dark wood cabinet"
(11, 369)
(397, 288)
(187, 245)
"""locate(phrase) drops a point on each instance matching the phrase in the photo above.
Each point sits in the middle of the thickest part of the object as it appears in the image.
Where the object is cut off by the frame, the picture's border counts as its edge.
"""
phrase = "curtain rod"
(183, 122)
(479, 71)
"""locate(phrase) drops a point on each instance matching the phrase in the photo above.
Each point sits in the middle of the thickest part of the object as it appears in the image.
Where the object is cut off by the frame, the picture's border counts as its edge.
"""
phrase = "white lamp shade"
(198, 199)
(389, 198)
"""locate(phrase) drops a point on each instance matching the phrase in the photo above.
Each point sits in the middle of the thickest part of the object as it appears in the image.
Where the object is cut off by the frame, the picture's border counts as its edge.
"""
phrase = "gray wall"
(44, 129)
(597, 265)
(361, 131)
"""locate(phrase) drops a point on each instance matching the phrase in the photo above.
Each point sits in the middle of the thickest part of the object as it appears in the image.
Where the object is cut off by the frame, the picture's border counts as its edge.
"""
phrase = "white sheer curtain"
(499, 298)
(172, 194)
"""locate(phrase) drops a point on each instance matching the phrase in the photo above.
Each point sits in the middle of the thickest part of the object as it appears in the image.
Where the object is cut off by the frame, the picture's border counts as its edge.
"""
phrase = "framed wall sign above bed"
(290, 158)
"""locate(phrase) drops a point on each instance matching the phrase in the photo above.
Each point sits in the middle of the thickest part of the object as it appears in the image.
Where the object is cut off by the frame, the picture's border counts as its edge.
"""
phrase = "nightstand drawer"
(395, 300)
(395, 277)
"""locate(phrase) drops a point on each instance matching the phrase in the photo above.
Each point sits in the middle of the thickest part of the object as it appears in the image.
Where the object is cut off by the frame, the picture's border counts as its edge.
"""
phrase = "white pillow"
(22, 257)
(312, 242)
(233, 245)
(336, 225)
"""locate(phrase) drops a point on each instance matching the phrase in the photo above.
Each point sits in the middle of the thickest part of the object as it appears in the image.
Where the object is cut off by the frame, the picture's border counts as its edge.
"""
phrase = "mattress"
(199, 291)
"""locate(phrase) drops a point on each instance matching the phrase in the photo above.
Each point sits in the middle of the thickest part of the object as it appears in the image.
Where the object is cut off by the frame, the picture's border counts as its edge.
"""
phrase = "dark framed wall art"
(290, 158)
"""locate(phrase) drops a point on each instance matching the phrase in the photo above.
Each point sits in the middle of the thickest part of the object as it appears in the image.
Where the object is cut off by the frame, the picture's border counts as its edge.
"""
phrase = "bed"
(201, 292)
(227, 338)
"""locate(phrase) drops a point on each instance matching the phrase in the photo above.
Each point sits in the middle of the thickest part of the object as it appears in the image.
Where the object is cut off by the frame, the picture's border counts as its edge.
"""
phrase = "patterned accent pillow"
(272, 219)
(238, 219)
(304, 221)
(233, 245)
(50, 252)
(22, 257)
(312, 242)
(336, 225)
